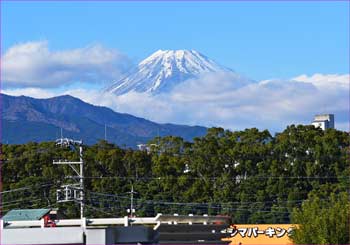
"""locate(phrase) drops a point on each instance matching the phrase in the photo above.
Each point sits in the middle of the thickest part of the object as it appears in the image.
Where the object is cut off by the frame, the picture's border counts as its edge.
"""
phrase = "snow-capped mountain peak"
(163, 70)
(188, 61)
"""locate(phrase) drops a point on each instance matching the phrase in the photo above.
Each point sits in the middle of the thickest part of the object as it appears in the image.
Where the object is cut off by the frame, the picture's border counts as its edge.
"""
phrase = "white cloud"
(217, 101)
(210, 87)
(32, 64)
(225, 100)
(329, 80)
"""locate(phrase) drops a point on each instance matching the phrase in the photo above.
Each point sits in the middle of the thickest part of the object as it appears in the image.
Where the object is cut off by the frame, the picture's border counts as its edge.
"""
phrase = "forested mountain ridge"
(28, 119)
(250, 175)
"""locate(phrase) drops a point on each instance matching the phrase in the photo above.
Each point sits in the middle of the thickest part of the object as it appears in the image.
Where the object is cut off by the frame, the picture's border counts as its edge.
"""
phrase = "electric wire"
(206, 203)
(238, 178)
(28, 187)
(20, 201)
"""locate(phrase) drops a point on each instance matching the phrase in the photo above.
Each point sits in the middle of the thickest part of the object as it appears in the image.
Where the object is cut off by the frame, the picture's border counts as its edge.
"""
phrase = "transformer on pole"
(72, 192)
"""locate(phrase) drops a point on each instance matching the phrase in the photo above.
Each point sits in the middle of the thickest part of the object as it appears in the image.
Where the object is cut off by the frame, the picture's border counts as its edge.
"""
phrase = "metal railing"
(125, 221)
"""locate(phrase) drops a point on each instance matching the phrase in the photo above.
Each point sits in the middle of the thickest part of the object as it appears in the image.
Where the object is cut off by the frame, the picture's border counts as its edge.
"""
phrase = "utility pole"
(132, 210)
(81, 182)
(72, 192)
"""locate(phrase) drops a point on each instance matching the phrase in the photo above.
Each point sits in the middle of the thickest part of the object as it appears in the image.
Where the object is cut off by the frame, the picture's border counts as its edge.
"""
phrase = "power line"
(16, 201)
(108, 195)
(210, 203)
(99, 209)
(207, 207)
(34, 204)
(29, 187)
(20, 201)
(216, 178)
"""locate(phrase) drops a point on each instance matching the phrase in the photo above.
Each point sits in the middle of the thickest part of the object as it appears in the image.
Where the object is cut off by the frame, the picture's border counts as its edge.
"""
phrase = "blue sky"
(261, 39)
(78, 48)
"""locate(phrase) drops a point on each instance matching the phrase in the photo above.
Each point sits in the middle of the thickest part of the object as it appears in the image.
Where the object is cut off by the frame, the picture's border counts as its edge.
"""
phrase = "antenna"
(61, 133)
(105, 132)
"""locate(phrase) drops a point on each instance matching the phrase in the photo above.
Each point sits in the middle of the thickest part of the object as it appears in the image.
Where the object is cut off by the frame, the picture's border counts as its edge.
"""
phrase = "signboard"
(250, 234)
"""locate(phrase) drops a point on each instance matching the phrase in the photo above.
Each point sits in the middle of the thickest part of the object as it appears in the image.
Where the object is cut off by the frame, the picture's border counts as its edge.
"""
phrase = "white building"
(146, 147)
(324, 121)
(143, 147)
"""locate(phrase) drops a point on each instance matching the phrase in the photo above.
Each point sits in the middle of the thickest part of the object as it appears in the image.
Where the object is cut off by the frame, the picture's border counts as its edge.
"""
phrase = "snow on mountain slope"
(165, 69)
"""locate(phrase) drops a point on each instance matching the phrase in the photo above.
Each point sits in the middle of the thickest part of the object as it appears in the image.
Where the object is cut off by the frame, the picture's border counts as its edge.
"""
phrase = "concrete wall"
(75, 235)
(58, 235)
(97, 236)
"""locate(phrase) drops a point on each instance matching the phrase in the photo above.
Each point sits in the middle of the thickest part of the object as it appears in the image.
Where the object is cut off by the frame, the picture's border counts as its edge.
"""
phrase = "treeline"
(250, 175)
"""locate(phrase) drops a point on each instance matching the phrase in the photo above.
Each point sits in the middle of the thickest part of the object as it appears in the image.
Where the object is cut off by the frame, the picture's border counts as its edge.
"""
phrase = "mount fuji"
(165, 69)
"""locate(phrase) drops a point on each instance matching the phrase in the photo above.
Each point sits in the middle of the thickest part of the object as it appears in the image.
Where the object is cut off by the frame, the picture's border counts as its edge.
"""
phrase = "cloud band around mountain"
(224, 99)
(268, 104)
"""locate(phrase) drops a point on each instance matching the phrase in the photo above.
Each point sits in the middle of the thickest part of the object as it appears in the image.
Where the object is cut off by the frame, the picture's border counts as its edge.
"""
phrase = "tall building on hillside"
(324, 121)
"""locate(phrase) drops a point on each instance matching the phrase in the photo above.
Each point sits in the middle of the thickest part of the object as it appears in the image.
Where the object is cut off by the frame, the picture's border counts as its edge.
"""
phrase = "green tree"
(322, 220)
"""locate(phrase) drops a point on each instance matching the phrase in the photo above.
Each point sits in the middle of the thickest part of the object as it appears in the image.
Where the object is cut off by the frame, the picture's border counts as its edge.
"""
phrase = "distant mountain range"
(165, 69)
(27, 119)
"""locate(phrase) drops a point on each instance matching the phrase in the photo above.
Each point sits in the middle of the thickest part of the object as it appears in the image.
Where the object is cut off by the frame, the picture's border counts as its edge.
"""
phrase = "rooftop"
(25, 214)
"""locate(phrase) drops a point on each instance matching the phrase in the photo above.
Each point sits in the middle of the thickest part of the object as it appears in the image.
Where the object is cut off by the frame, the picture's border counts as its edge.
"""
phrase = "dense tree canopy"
(323, 220)
(250, 175)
